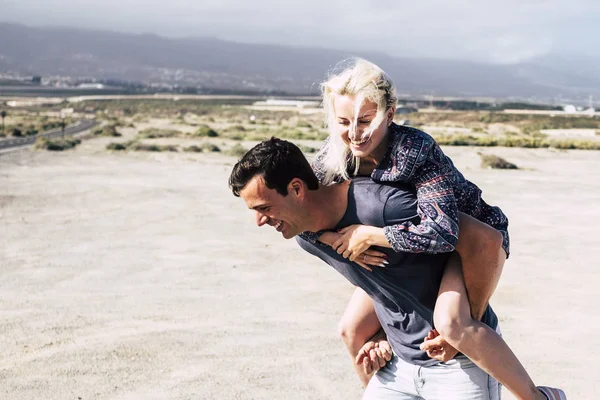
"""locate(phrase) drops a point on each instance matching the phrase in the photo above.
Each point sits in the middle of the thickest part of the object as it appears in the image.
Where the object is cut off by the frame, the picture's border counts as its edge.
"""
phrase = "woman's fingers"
(371, 260)
(374, 253)
(365, 266)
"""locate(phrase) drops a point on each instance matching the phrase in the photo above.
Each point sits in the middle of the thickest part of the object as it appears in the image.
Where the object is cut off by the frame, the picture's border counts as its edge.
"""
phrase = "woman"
(360, 105)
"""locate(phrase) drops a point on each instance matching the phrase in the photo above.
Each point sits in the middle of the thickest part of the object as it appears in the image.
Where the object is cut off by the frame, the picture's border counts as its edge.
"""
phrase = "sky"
(500, 31)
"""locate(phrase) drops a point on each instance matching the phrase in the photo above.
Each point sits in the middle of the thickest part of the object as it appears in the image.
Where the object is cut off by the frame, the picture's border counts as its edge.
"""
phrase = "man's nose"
(261, 219)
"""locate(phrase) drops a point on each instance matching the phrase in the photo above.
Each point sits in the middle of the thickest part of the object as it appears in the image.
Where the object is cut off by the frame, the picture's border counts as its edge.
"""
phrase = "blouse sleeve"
(437, 232)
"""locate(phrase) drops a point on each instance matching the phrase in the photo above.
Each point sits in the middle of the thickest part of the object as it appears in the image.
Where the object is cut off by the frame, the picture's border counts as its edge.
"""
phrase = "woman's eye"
(364, 121)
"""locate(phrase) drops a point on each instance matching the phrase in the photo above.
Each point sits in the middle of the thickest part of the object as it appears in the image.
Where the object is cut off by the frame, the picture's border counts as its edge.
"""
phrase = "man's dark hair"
(278, 162)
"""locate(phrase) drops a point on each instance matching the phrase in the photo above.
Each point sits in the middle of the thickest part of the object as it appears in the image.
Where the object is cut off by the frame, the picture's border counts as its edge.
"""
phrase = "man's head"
(274, 179)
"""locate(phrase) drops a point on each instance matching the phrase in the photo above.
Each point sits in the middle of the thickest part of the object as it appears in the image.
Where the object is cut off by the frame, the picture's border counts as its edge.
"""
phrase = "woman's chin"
(359, 151)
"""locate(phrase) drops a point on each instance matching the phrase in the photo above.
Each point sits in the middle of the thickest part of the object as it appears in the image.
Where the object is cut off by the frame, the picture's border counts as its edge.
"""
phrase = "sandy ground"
(139, 276)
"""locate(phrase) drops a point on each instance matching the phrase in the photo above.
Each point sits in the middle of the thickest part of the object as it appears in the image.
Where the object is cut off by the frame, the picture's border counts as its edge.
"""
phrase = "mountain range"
(211, 63)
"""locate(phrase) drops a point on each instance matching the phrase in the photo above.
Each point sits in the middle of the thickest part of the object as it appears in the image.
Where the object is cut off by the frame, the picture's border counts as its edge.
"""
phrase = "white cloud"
(497, 31)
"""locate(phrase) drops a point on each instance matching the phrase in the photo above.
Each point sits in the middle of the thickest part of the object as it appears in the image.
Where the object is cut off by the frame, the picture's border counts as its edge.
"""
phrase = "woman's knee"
(355, 335)
(451, 318)
(348, 332)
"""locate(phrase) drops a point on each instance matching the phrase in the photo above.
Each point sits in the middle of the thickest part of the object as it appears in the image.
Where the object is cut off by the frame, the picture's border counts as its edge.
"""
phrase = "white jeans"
(457, 379)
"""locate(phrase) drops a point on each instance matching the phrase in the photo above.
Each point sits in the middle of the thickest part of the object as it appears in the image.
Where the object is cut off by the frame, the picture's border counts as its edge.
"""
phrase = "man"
(276, 181)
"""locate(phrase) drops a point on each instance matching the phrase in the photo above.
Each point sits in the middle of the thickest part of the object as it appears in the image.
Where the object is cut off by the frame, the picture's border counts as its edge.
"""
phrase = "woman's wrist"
(376, 237)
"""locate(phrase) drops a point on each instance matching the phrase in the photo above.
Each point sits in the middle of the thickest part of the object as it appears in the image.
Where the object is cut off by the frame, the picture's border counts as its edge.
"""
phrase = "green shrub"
(307, 149)
(31, 131)
(495, 162)
(205, 131)
(152, 147)
(205, 147)
(116, 146)
(237, 151)
(193, 149)
(154, 133)
(303, 124)
(209, 147)
(58, 144)
(107, 130)
(257, 136)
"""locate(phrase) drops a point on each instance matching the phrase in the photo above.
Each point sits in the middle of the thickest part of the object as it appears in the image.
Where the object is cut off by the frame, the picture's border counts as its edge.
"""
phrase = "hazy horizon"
(504, 32)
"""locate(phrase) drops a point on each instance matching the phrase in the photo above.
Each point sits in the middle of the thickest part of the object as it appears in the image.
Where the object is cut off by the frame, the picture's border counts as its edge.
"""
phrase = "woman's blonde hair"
(361, 80)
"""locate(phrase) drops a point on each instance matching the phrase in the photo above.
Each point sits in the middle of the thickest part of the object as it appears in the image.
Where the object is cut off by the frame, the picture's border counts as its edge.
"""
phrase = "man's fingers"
(336, 244)
(382, 361)
(367, 367)
(344, 230)
(374, 360)
(360, 357)
(386, 350)
(346, 253)
(431, 343)
(436, 355)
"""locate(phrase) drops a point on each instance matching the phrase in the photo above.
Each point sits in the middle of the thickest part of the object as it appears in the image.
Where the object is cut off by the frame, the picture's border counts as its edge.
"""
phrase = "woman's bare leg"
(358, 324)
(487, 349)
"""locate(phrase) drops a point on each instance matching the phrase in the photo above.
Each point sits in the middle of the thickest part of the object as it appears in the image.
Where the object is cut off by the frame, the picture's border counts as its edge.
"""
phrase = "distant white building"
(34, 102)
(288, 103)
(90, 86)
(570, 109)
(589, 111)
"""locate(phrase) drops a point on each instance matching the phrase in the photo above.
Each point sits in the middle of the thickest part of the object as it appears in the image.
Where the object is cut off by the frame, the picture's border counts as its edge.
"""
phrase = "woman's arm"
(437, 231)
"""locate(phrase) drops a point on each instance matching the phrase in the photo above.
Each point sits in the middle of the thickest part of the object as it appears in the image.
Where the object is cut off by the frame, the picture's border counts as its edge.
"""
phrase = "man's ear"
(296, 187)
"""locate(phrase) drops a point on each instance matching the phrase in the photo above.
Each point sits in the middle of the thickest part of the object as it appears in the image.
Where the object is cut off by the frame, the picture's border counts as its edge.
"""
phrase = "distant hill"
(217, 64)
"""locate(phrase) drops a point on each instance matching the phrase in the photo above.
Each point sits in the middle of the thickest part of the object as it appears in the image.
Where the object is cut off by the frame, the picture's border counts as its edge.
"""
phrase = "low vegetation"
(307, 149)
(151, 147)
(204, 148)
(495, 162)
(205, 131)
(116, 146)
(58, 144)
(237, 150)
(509, 141)
(155, 133)
(107, 130)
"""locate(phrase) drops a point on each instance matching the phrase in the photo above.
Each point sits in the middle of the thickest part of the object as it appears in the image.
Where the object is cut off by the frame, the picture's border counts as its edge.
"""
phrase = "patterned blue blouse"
(413, 157)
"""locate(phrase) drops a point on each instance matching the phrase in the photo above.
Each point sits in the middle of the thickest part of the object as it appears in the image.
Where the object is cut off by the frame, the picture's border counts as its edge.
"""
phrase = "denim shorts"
(456, 379)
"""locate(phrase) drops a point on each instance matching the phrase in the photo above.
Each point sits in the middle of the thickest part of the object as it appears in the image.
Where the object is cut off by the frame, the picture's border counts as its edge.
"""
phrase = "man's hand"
(354, 240)
(437, 348)
(374, 355)
(368, 259)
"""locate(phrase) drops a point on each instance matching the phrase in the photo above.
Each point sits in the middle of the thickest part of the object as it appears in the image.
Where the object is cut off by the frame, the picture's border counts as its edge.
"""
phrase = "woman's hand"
(368, 259)
(354, 240)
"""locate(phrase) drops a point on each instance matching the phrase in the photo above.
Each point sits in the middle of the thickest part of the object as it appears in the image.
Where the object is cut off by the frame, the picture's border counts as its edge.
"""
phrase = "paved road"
(70, 130)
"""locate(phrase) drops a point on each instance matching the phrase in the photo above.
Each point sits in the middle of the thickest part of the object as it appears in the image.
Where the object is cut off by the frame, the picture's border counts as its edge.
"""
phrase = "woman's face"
(356, 129)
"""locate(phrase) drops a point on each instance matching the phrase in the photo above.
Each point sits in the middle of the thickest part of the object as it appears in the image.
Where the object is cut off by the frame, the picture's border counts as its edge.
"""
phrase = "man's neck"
(328, 205)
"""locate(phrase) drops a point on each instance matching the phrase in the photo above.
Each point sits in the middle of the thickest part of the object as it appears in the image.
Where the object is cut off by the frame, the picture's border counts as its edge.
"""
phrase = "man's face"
(284, 213)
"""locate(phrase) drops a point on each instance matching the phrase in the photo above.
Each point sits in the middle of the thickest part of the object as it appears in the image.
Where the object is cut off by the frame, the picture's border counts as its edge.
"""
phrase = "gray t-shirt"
(405, 291)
